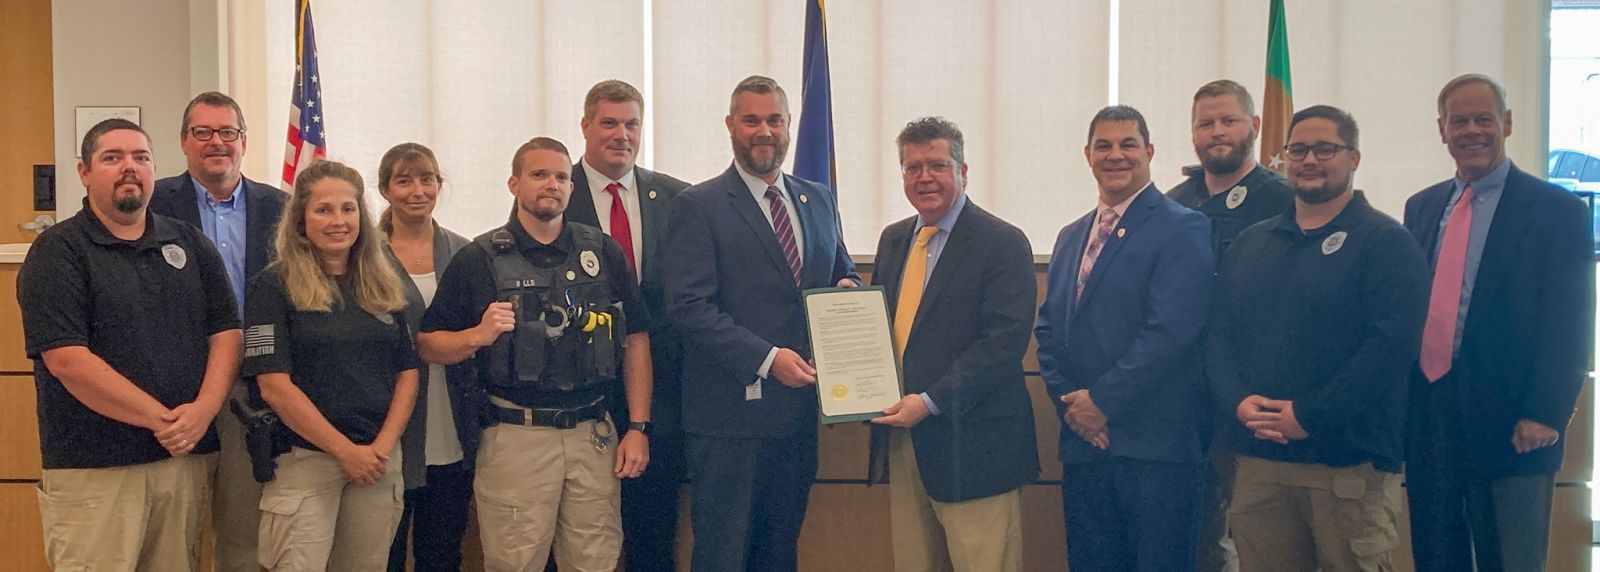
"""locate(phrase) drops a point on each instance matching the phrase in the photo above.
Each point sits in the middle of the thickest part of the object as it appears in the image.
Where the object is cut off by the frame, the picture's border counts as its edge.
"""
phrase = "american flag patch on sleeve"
(260, 340)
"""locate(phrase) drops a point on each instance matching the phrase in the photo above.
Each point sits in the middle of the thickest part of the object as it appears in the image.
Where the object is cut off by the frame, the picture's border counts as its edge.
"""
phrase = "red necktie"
(1444, 305)
(619, 225)
(780, 227)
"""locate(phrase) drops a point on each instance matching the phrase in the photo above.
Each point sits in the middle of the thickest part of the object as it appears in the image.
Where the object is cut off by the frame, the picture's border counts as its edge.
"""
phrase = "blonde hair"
(310, 288)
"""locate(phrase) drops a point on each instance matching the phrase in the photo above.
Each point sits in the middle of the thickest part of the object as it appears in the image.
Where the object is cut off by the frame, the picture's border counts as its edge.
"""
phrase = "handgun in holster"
(263, 437)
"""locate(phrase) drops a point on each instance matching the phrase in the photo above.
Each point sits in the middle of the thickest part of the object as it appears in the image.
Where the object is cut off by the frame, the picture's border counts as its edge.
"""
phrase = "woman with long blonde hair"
(438, 461)
(330, 352)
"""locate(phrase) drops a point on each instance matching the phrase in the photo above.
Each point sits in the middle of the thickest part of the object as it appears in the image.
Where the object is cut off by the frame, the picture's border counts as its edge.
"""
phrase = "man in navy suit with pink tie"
(1129, 284)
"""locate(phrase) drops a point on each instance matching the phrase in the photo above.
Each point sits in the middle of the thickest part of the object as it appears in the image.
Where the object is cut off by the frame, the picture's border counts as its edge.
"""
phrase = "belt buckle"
(527, 417)
(565, 419)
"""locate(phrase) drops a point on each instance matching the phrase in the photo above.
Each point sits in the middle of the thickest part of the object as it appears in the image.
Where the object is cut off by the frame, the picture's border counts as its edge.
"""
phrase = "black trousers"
(650, 508)
(1459, 519)
(749, 499)
(434, 520)
(1127, 515)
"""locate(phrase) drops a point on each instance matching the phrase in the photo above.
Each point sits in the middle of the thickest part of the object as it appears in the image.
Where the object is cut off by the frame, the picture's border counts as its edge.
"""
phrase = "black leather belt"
(557, 418)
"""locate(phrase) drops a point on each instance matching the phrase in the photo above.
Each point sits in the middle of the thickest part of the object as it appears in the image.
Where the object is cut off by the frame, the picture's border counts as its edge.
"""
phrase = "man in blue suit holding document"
(1118, 335)
(741, 248)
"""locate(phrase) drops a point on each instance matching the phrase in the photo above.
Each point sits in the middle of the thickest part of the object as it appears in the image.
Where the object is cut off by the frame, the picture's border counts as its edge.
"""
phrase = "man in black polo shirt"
(135, 341)
(548, 313)
(1234, 192)
(1232, 189)
(1318, 319)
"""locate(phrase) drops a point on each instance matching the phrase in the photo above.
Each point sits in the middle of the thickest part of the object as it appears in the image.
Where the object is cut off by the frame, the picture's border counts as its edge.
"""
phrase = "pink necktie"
(1102, 232)
(1444, 306)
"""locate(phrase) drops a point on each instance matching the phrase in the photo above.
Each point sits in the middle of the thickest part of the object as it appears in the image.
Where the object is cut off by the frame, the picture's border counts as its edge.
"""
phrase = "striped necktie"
(785, 233)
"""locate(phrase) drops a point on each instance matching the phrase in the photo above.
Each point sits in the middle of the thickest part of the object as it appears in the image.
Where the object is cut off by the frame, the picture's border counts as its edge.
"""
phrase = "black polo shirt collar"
(156, 232)
(1194, 193)
(1355, 213)
(527, 244)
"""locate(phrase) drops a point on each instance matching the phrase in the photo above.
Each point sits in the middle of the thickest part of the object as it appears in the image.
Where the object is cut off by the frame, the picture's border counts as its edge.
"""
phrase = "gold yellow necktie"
(911, 283)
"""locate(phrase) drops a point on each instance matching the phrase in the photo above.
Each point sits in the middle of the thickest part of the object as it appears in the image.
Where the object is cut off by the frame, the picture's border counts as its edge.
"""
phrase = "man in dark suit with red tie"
(741, 247)
(1506, 347)
(631, 203)
(1118, 337)
(961, 291)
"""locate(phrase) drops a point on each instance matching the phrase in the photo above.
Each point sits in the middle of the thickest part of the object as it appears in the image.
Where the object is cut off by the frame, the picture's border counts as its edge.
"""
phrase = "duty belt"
(557, 418)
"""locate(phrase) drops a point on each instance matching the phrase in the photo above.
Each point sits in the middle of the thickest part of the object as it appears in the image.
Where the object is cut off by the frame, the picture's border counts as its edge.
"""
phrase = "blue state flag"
(813, 156)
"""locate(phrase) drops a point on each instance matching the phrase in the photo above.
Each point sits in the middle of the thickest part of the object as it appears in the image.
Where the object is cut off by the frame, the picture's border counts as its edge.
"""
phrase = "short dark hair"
(1119, 113)
(1348, 131)
(1223, 87)
(928, 129)
(758, 84)
(91, 140)
(213, 99)
(536, 144)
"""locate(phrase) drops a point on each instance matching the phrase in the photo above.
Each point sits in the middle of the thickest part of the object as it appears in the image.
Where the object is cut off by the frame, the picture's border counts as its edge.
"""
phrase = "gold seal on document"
(839, 391)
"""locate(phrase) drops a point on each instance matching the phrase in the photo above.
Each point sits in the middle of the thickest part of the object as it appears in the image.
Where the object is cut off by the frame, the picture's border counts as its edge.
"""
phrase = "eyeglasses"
(1323, 151)
(228, 134)
(935, 167)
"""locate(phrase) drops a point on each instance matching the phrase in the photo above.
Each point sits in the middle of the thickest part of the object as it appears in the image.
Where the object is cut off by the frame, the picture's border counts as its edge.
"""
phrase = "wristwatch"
(643, 427)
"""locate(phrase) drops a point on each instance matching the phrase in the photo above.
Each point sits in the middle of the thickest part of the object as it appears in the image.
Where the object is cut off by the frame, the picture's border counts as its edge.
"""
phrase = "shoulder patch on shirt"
(1334, 242)
(260, 340)
(174, 255)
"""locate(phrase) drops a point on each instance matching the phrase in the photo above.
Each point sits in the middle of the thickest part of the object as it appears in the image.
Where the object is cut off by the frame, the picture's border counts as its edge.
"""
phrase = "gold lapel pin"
(1121, 232)
(803, 198)
(652, 195)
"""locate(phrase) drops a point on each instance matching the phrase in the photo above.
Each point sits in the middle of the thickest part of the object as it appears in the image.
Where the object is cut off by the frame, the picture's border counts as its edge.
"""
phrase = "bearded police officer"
(135, 340)
(549, 315)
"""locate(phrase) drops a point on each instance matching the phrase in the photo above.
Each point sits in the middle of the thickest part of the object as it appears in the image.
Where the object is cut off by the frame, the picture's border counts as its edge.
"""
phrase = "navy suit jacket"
(175, 197)
(965, 351)
(1529, 331)
(656, 193)
(732, 297)
(1132, 339)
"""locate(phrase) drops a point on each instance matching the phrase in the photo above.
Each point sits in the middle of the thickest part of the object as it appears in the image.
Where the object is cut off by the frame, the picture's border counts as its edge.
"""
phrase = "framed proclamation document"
(857, 373)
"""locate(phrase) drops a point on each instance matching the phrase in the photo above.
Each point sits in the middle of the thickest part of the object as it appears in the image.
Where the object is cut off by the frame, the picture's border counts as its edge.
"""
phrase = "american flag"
(306, 142)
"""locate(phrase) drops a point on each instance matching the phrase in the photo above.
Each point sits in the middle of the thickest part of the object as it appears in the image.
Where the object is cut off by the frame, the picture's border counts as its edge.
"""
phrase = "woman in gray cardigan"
(438, 472)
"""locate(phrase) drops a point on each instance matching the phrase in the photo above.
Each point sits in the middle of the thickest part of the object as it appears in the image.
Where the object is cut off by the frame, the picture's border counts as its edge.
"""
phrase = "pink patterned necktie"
(1102, 232)
(1444, 305)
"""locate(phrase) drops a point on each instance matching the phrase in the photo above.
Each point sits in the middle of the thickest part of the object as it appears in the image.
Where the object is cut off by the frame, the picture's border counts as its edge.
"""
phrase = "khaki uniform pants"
(1295, 516)
(235, 516)
(537, 483)
(979, 535)
(134, 518)
(313, 520)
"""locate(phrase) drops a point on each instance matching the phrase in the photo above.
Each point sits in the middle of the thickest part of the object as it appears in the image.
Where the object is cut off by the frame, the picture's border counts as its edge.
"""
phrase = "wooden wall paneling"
(19, 429)
(21, 531)
(13, 357)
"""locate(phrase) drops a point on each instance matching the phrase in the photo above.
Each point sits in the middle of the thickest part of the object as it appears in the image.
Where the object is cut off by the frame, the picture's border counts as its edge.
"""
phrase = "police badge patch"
(1334, 242)
(1236, 197)
(174, 255)
(590, 263)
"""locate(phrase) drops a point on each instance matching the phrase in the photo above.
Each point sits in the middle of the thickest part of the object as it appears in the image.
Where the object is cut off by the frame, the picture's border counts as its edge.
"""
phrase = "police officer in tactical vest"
(548, 314)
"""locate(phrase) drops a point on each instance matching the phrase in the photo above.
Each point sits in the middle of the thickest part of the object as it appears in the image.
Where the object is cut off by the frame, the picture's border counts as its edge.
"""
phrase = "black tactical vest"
(570, 324)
